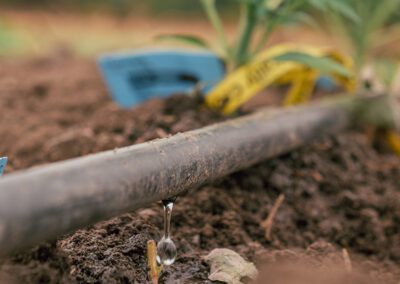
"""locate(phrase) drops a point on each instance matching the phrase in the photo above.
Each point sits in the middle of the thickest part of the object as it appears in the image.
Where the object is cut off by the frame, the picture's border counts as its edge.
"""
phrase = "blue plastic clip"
(326, 83)
(3, 163)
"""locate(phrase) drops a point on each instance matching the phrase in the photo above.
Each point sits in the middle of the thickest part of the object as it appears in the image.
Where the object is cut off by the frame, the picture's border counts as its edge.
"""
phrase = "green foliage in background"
(258, 19)
(121, 7)
(362, 33)
(9, 40)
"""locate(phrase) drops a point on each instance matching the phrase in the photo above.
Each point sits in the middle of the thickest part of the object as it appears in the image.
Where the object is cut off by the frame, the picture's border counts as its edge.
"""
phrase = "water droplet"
(166, 249)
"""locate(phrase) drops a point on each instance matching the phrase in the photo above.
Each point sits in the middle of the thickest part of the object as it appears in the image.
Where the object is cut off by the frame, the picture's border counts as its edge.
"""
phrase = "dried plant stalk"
(347, 261)
(152, 261)
(267, 224)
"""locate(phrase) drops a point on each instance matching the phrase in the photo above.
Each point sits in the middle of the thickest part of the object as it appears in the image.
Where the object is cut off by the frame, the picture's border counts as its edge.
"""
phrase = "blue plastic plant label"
(3, 163)
(326, 83)
(136, 77)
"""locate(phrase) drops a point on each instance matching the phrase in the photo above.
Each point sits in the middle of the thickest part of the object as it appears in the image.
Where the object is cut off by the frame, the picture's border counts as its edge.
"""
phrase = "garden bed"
(339, 192)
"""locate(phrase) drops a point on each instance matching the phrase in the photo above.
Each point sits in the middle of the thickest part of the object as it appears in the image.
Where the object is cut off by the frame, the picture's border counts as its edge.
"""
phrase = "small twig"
(347, 261)
(267, 224)
(152, 261)
(197, 92)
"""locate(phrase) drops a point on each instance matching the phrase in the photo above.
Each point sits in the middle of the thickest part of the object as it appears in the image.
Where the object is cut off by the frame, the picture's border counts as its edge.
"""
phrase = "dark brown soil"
(339, 192)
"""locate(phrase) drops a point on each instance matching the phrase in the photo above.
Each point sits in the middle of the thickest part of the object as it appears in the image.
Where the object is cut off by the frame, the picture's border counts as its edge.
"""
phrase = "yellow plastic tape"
(393, 139)
(301, 88)
(245, 82)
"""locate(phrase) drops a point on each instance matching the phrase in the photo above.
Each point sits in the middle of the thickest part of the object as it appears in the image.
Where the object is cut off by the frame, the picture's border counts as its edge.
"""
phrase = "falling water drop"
(166, 249)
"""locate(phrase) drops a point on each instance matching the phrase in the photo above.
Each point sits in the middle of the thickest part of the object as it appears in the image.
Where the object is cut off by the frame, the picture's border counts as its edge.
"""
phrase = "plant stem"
(212, 14)
(272, 22)
(249, 11)
(361, 43)
(265, 36)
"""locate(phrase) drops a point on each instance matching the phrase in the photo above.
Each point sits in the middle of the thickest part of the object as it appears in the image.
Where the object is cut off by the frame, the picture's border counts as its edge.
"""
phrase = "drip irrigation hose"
(45, 202)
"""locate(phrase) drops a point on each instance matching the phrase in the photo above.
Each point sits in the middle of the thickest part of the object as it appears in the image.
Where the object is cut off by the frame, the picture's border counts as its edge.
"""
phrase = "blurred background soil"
(339, 192)
(24, 33)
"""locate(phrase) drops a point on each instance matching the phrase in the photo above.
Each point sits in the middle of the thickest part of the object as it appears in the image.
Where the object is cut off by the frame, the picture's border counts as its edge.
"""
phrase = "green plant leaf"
(301, 17)
(273, 4)
(323, 64)
(318, 4)
(210, 9)
(383, 13)
(386, 71)
(187, 39)
(344, 8)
